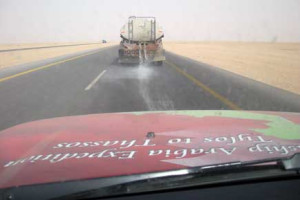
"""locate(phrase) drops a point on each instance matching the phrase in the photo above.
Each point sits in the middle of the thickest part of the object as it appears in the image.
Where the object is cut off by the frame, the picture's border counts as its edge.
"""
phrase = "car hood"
(107, 145)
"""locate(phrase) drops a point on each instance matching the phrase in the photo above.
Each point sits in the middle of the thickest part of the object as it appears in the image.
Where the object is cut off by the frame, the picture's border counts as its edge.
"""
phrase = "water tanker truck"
(141, 41)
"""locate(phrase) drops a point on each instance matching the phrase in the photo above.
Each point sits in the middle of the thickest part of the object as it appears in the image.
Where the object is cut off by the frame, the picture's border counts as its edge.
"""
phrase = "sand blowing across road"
(276, 64)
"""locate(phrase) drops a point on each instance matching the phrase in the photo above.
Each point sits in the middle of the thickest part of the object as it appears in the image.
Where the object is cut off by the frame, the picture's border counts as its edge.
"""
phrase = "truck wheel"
(121, 52)
(159, 63)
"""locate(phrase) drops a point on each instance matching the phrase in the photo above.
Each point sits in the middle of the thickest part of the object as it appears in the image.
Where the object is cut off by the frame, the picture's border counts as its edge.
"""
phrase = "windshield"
(145, 86)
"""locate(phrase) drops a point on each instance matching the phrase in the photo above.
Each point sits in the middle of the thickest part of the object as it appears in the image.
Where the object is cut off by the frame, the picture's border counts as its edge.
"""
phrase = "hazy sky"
(92, 20)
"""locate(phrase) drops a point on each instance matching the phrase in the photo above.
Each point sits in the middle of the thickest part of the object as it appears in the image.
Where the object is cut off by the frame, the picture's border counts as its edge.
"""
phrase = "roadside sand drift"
(276, 64)
(12, 58)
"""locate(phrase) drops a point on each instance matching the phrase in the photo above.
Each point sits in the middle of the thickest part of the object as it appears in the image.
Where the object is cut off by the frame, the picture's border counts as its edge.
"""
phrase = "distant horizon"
(177, 41)
(65, 21)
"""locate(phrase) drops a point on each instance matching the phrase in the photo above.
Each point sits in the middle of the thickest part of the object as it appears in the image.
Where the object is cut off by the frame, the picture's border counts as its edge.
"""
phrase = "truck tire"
(121, 52)
(159, 63)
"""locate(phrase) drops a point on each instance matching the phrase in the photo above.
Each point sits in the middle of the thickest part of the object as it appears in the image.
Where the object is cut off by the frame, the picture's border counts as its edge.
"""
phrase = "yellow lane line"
(205, 88)
(44, 66)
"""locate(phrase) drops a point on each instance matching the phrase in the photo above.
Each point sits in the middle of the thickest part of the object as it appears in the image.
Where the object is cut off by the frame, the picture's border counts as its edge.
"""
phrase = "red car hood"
(107, 145)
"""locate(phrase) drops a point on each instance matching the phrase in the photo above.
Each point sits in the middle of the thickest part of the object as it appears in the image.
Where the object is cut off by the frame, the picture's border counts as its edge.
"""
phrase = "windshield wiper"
(293, 163)
(287, 163)
(199, 176)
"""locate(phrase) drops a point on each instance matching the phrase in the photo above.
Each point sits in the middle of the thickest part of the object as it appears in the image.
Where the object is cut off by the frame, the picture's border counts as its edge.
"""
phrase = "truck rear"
(141, 41)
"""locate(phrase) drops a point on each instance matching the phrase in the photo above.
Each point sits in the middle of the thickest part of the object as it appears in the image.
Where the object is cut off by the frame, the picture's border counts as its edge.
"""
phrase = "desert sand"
(13, 58)
(276, 64)
(31, 45)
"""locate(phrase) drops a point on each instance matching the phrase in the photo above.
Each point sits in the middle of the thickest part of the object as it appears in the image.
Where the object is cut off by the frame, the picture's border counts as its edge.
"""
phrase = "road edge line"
(215, 94)
(45, 66)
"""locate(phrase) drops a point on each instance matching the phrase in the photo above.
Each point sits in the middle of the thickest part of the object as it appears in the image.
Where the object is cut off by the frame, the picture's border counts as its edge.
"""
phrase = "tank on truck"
(141, 42)
(152, 32)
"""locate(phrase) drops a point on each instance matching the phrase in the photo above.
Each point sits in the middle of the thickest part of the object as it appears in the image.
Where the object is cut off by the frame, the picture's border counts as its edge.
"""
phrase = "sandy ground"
(29, 45)
(20, 57)
(276, 64)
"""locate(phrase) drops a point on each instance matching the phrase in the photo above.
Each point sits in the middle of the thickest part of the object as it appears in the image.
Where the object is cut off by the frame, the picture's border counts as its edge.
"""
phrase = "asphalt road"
(94, 82)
